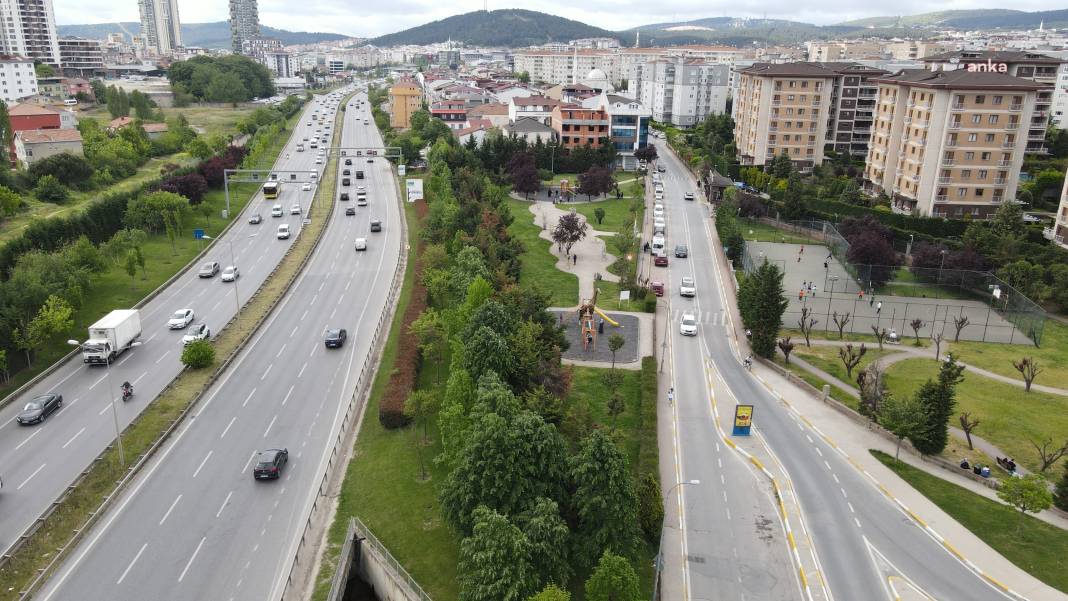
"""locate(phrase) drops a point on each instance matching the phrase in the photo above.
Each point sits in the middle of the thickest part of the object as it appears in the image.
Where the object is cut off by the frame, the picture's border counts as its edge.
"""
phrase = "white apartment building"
(539, 108)
(160, 25)
(566, 67)
(18, 79)
(29, 29)
(281, 63)
(840, 51)
(681, 91)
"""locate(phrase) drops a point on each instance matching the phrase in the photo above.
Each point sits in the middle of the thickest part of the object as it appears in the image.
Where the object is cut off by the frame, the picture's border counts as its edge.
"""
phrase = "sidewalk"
(593, 257)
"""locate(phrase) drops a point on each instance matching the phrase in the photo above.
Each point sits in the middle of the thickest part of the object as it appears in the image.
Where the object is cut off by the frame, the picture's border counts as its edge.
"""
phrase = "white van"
(283, 231)
(658, 244)
(71, 102)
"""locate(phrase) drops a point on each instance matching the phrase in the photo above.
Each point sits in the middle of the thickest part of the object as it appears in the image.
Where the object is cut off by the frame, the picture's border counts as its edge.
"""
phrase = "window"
(980, 99)
(977, 119)
(992, 119)
(985, 156)
(982, 173)
(996, 100)
(978, 192)
(971, 137)
(962, 192)
(804, 84)
(969, 156)
(989, 138)
(965, 173)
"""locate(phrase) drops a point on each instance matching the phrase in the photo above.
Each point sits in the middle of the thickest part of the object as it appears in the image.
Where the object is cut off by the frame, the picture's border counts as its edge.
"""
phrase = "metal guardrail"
(344, 564)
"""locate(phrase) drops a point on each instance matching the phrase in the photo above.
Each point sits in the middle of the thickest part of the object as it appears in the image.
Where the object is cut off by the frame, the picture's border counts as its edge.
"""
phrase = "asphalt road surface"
(862, 538)
(196, 525)
(38, 462)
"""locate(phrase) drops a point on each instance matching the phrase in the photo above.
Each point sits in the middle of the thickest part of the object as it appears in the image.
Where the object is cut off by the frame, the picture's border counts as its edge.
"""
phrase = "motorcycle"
(127, 392)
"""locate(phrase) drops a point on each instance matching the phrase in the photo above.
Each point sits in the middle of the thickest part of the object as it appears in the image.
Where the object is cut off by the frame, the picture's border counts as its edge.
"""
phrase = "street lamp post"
(941, 264)
(114, 410)
(660, 545)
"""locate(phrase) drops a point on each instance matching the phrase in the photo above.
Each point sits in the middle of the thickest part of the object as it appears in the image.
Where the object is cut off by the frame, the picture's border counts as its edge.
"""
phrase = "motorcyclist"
(127, 390)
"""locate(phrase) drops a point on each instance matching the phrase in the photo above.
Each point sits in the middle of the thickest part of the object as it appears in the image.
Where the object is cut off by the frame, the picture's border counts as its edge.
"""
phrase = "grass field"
(826, 358)
(538, 264)
(1052, 356)
(617, 212)
(1010, 418)
(207, 120)
(754, 230)
(1033, 545)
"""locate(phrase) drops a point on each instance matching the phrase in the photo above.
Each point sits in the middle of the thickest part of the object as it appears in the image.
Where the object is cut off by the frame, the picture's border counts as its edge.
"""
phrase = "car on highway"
(38, 408)
(376, 225)
(344, 196)
(361, 200)
(269, 464)
(346, 181)
(294, 209)
(276, 211)
(688, 325)
(688, 196)
(681, 252)
(350, 210)
(660, 259)
(318, 160)
(180, 319)
(198, 331)
(231, 273)
(370, 160)
(657, 288)
(283, 231)
(361, 243)
(346, 172)
(255, 219)
(661, 168)
(305, 187)
(688, 287)
(348, 161)
(209, 269)
(335, 338)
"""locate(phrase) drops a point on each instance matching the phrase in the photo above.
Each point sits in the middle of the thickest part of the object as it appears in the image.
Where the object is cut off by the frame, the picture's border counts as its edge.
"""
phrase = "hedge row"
(407, 362)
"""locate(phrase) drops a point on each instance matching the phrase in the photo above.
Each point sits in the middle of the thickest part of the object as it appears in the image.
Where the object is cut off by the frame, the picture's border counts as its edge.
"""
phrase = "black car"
(269, 464)
(346, 181)
(345, 172)
(681, 251)
(336, 338)
(376, 226)
(348, 161)
(39, 408)
(350, 210)
(344, 196)
(370, 160)
(359, 175)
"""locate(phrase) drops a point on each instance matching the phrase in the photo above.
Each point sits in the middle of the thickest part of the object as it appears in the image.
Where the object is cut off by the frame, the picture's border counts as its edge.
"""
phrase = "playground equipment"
(587, 322)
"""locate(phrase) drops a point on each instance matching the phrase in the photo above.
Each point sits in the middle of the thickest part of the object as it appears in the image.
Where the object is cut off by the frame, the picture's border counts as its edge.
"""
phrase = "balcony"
(1000, 181)
(1042, 114)
(776, 103)
(915, 178)
(1036, 137)
(941, 198)
(943, 180)
(1016, 107)
(957, 106)
(1008, 144)
(1012, 126)
(951, 143)
(954, 125)
(1005, 163)
(908, 120)
(773, 128)
(947, 162)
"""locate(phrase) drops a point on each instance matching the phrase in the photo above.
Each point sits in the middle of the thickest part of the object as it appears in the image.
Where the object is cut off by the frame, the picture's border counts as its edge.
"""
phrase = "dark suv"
(336, 338)
(269, 464)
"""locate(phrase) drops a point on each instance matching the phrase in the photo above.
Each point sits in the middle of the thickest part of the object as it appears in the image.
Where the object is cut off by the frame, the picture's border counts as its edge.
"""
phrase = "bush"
(650, 305)
(70, 169)
(650, 507)
(50, 189)
(406, 364)
(198, 354)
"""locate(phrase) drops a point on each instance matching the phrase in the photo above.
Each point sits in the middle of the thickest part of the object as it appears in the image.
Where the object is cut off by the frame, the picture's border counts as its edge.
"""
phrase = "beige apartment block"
(405, 97)
(1058, 233)
(782, 108)
(949, 143)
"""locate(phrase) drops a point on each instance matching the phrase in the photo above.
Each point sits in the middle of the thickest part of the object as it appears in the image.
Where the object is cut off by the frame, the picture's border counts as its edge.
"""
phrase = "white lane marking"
(249, 462)
(101, 379)
(195, 552)
(105, 409)
(225, 501)
(215, 306)
(844, 495)
(205, 460)
(280, 351)
(162, 357)
(818, 451)
(132, 562)
(248, 397)
(269, 426)
(139, 378)
(303, 316)
(35, 472)
(293, 334)
(314, 298)
(287, 395)
(151, 338)
(170, 509)
(857, 522)
(267, 371)
(302, 368)
(851, 510)
(333, 313)
(835, 476)
(73, 437)
(28, 438)
(340, 298)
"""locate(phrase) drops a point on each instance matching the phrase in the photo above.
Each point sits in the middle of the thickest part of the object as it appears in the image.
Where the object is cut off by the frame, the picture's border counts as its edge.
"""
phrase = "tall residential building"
(1039, 68)
(29, 30)
(281, 63)
(681, 91)
(837, 51)
(628, 124)
(577, 126)
(782, 108)
(244, 23)
(18, 79)
(949, 143)
(405, 98)
(160, 25)
(81, 57)
(852, 113)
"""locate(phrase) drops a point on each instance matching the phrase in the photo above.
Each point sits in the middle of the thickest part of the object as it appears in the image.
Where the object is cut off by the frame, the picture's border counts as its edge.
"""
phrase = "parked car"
(209, 269)
(657, 288)
(688, 196)
(336, 338)
(231, 273)
(269, 464)
(660, 260)
(180, 319)
(39, 408)
(198, 331)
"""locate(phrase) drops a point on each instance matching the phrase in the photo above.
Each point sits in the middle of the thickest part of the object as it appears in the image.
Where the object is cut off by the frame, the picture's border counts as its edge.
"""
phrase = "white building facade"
(681, 91)
(18, 79)
(29, 30)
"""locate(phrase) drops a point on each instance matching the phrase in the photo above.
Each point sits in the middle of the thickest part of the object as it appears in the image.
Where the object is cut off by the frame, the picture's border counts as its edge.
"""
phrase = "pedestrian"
(871, 301)
(575, 257)
(860, 295)
(802, 251)
(801, 294)
(600, 326)
(799, 257)
(879, 308)
(589, 341)
(671, 395)
(813, 291)
(825, 266)
(646, 247)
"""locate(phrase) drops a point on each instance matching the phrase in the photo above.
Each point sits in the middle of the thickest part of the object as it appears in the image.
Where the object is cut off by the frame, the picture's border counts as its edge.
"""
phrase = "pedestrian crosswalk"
(711, 318)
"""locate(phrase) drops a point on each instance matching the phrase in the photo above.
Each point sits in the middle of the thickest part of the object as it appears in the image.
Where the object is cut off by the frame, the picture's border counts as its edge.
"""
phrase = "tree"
(7, 135)
(596, 181)
(615, 342)
(880, 335)
(130, 265)
(549, 540)
(570, 229)
(10, 201)
(70, 169)
(806, 323)
(959, 323)
(937, 397)
(781, 166)
(417, 407)
(872, 386)
(937, 339)
(1049, 454)
(762, 305)
(1008, 223)
(615, 406)
(851, 356)
(50, 189)
(198, 354)
(551, 592)
(54, 317)
(902, 416)
(917, 325)
(1029, 369)
(787, 347)
(872, 249)
(494, 562)
(646, 153)
(840, 322)
(3, 366)
(199, 148)
(604, 500)
(599, 214)
(613, 580)
(226, 87)
(522, 77)
(650, 506)
(193, 186)
(1060, 492)
(525, 180)
(793, 200)
(1029, 494)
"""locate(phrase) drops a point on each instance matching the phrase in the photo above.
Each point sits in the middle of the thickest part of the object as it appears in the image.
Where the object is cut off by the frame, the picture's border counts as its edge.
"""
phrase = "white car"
(180, 319)
(361, 243)
(659, 225)
(688, 325)
(319, 160)
(199, 331)
(283, 231)
(276, 211)
(295, 209)
(658, 210)
(305, 187)
(688, 287)
(230, 274)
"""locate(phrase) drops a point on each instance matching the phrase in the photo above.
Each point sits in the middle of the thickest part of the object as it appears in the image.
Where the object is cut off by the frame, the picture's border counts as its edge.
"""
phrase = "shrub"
(50, 189)
(406, 364)
(198, 354)
(650, 507)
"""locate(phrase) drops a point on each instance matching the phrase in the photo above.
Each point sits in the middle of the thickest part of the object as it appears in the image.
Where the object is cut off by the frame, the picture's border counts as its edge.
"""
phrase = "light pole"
(237, 276)
(660, 546)
(114, 410)
(940, 264)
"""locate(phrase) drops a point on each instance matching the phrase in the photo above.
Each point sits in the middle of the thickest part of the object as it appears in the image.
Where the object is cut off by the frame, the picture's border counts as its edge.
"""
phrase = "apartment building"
(281, 63)
(578, 126)
(681, 91)
(853, 93)
(1039, 68)
(405, 98)
(949, 143)
(244, 22)
(782, 108)
(837, 51)
(29, 30)
(1058, 233)
(566, 67)
(916, 49)
(452, 112)
(18, 79)
(78, 56)
(628, 125)
(160, 26)
(535, 107)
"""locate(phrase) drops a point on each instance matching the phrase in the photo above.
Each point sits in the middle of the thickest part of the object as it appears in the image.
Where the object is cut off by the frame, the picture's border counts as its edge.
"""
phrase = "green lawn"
(1010, 417)
(1033, 545)
(1052, 356)
(538, 264)
(617, 212)
(754, 230)
(827, 359)
(207, 120)
(836, 393)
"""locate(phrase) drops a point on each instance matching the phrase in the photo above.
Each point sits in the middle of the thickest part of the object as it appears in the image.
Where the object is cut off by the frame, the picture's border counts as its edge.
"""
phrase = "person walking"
(871, 301)
(671, 395)
(879, 308)
(575, 257)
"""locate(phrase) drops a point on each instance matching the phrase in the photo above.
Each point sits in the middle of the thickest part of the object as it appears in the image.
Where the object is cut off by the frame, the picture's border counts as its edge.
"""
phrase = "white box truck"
(111, 336)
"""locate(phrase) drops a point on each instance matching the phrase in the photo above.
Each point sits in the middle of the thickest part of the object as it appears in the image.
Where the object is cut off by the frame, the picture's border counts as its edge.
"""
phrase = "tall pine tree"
(938, 400)
(604, 500)
(494, 563)
(793, 205)
(762, 304)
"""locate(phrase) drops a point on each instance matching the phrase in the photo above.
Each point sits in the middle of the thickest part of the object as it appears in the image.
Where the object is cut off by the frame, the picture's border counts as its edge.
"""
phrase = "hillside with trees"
(508, 27)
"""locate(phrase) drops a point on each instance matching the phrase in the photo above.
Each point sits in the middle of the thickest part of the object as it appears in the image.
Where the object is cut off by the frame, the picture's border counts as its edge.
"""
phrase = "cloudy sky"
(369, 18)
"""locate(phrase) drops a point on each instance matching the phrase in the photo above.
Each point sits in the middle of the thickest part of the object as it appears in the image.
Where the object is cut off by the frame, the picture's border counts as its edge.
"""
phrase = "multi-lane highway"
(38, 462)
(196, 525)
(861, 538)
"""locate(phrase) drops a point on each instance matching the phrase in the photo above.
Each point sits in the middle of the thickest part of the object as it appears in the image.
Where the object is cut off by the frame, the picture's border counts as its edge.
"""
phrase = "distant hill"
(507, 27)
(734, 32)
(971, 19)
(205, 35)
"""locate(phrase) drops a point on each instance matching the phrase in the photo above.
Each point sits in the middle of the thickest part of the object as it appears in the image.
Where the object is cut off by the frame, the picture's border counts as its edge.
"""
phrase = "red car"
(657, 288)
(660, 260)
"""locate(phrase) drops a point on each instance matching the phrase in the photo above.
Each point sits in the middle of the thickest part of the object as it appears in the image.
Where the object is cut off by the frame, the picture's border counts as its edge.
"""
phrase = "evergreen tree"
(762, 305)
(604, 500)
(793, 200)
(781, 166)
(549, 539)
(937, 398)
(494, 563)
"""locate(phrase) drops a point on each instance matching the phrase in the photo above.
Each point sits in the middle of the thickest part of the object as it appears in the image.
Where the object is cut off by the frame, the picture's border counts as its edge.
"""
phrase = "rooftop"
(493, 108)
(528, 125)
(798, 69)
(535, 101)
(42, 136)
(27, 109)
(958, 79)
(997, 56)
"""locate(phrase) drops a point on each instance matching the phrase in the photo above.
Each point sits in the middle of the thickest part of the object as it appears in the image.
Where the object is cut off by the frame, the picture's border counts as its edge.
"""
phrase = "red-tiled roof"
(38, 136)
